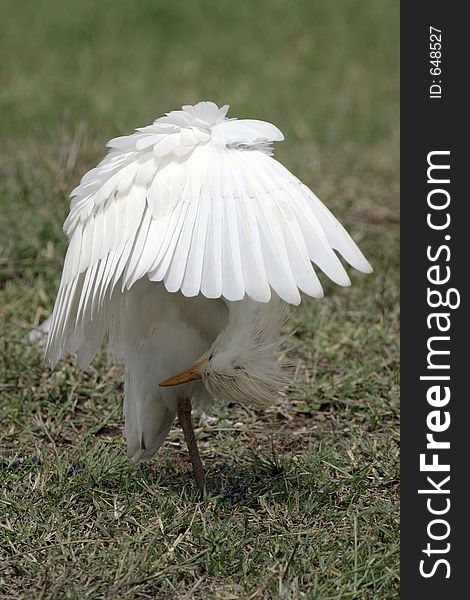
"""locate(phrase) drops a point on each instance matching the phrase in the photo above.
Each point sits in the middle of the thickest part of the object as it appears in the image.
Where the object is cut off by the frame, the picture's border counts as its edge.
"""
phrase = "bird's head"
(245, 363)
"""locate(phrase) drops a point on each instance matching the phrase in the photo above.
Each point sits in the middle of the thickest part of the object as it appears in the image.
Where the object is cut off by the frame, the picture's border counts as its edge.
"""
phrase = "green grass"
(303, 498)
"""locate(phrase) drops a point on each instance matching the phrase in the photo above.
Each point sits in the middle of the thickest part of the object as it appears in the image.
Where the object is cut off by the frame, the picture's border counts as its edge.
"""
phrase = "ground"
(303, 498)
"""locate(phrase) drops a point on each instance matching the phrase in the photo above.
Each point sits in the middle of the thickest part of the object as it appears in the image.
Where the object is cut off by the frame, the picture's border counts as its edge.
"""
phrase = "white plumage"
(187, 229)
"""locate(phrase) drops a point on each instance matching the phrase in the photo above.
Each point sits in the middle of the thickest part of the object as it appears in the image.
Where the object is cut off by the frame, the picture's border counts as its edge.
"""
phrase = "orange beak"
(191, 374)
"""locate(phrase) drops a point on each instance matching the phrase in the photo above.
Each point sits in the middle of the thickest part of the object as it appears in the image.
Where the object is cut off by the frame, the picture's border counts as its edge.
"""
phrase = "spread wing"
(204, 210)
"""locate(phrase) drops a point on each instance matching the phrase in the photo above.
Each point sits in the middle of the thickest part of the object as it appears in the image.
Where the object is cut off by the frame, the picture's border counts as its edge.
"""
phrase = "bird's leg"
(184, 418)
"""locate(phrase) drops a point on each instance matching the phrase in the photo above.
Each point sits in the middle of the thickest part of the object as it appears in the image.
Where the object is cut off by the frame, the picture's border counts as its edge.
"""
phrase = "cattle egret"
(186, 243)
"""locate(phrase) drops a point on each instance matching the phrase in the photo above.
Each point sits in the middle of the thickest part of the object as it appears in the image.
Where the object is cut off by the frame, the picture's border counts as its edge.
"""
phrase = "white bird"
(186, 242)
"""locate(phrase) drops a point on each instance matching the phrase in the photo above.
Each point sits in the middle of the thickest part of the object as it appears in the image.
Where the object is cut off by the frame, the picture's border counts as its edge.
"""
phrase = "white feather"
(191, 284)
(170, 241)
(194, 200)
(244, 363)
(141, 246)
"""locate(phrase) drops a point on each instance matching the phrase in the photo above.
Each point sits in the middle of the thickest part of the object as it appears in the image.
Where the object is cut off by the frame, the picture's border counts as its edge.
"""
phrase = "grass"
(303, 498)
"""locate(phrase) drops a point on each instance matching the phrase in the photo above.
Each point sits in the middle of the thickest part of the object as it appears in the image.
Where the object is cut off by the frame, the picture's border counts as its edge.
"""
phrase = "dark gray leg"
(184, 418)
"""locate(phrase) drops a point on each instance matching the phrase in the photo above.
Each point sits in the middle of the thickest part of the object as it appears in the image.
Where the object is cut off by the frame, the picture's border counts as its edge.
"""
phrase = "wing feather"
(191, 197)
(331, 229)
(175, 272)
(199, 203)
(320, 251)
(211, 285)
(165, 253)
(274, 250)
(254, 272)
(138, 251)
(233, 283)
(337, 235)
(191, 284)
(299, 260)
